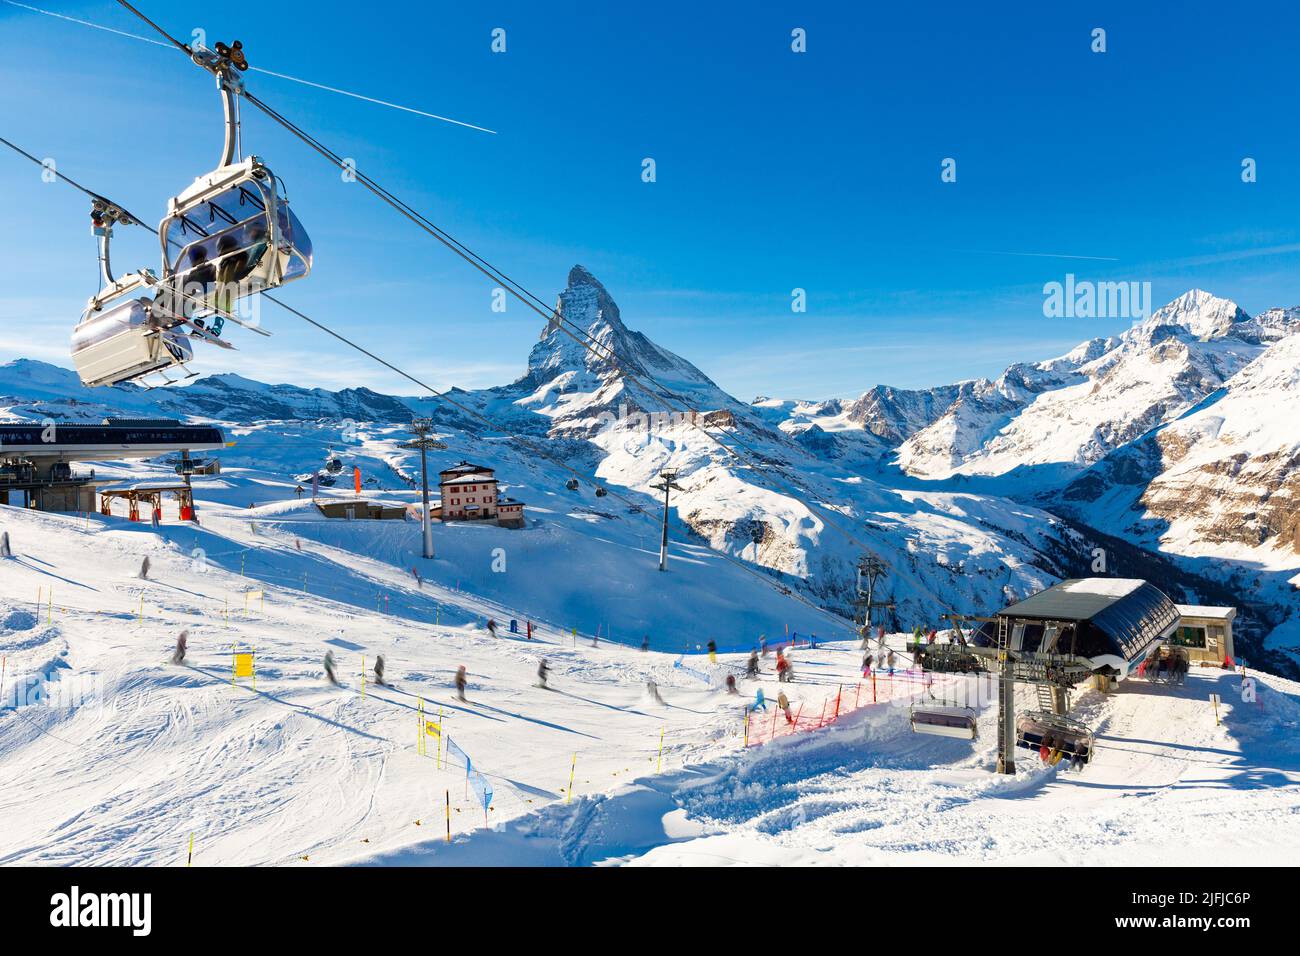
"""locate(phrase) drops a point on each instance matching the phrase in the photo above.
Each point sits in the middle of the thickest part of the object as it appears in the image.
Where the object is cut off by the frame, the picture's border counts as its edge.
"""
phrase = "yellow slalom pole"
(448, 816)
(572, 770)
(50, 618)
(659, 766)
(439, 736)
(190, 859)
(254, 667)
(419, 727)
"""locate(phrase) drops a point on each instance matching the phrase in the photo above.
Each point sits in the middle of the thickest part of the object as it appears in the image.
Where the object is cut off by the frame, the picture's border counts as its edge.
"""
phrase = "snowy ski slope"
(109, 754)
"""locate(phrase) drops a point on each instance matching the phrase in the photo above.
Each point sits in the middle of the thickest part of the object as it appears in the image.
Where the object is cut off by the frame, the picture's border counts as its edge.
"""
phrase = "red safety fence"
(879, 687)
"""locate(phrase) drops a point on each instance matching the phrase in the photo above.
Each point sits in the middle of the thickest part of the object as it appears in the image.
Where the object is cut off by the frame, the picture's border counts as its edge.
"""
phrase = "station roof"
(66, 441)
(1206, 611)
(1111, 615)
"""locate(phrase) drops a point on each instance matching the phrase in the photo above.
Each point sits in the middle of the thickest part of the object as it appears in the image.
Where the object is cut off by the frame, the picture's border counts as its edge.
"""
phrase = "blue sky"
(775, 170)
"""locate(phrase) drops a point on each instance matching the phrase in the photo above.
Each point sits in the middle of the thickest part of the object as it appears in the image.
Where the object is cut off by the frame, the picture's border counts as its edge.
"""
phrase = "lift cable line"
(553, 317)
(255, 69)
(434, 393)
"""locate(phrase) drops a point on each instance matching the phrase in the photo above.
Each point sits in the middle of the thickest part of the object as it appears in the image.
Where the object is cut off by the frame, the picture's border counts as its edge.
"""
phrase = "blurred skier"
(460, 682)
(760, 702)
(867, 660)
(751, 666)
(645, 642)
(329, 668)
(379, 670)
(713, 651)
(542, 671)
(529, 629)
(784, 703)
(181, 642)
(731, 684)
(782, 667)
(492, 627)
(762, 645)
(144, 569)
(653, 690)
(890, 662)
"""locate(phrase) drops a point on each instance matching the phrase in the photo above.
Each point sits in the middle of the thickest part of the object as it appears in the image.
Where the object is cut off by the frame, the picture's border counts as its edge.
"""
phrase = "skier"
(784, 703)
(782, 668)
(713, 652)
(144, 569)
(530, 630)
(645, 643)
(329, 668)
(751, 666)
(731, 684)
(5, 550)
(181, 642)
(379, 670)
(460, 682)
(930, 638)
(653, 690)
(867, 659)
(889, 662)
(542, 671)
(762, 645)
(760, 702)
(298, 491)
(492, 626)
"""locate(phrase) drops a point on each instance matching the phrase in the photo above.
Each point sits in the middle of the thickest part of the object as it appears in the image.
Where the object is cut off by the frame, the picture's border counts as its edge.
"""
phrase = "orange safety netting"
(879, 687)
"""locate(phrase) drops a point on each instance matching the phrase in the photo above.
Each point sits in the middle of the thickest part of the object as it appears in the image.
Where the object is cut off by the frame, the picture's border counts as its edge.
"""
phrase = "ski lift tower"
(873, 568)
(422, 427)
(667, 483)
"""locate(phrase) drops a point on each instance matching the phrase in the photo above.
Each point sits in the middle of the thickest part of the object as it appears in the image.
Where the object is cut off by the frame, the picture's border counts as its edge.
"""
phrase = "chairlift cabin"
(600, 491)
(941, 720)
(120, 335)
(229, 235)
(1062, 737)
(119, 338)
(572, 484)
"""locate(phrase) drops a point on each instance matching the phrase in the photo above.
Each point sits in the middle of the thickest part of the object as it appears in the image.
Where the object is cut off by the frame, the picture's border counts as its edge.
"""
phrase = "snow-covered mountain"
(1059, 417)
(793, 491)
(34, 386)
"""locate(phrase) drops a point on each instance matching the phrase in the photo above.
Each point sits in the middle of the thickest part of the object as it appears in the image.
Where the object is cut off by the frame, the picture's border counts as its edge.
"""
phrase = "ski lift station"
(36, 458)
(1080, 631)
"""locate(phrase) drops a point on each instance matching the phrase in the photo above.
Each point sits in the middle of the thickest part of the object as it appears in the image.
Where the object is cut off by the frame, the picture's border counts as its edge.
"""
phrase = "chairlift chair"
(942, 720)
(572, 484)
(1061, 735)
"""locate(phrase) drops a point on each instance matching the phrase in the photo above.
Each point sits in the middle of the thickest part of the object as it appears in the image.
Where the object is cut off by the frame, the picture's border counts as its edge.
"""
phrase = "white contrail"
(1041, 255)
(282, 76)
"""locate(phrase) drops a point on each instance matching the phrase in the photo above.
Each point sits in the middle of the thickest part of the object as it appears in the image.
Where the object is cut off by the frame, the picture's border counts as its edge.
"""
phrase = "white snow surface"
(110, 754)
